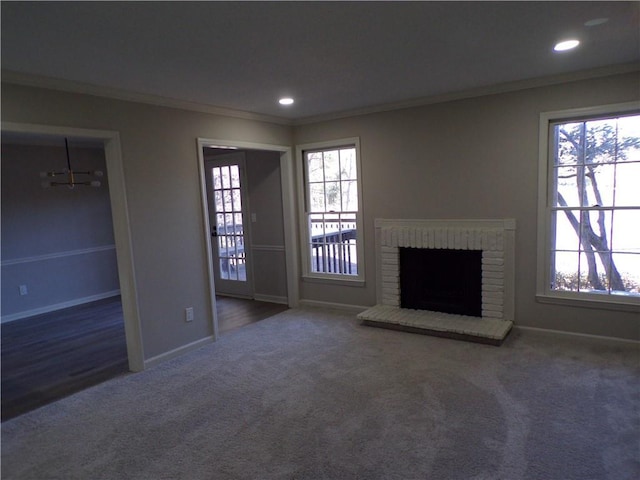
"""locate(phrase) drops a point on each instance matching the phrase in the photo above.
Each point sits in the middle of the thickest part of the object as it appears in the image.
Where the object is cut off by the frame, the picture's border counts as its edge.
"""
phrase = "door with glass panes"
(229, 224)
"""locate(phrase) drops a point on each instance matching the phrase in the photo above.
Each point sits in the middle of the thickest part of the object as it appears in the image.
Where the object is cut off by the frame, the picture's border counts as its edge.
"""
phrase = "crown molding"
(476, 92)
(119, 94)
(51, 83)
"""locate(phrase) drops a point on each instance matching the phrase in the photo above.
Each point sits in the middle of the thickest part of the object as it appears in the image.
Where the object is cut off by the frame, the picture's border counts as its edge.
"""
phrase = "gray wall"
(160, 162)
(474, 158)
(56, 241)
(267, 232)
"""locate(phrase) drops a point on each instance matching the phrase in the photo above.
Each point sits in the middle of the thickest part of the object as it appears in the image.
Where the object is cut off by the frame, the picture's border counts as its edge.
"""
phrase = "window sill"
(347, 282)
(608, 303)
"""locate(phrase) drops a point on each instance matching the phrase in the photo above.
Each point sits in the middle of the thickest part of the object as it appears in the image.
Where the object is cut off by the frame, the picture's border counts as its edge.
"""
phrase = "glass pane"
(228, 222)
(629, 138)
(566, 237)
(331, 165)
(597, 223)
(224, 268)
(626, 231)
(350, 196)
(217, 182)
(220, 223)
(599, 185)
(315, 167)
(568, 137)
(564, 271)
(601, 143)
(628, 266)
(348, 164)
(224, 174)
(567, 187)
(316, 227)
(593, 276)
(222, 246)
(332, 195)
(316, 197)
(237, 217)
(235, 176)
(217, 195)
(237, 202)
(628, 185)
(226, 196)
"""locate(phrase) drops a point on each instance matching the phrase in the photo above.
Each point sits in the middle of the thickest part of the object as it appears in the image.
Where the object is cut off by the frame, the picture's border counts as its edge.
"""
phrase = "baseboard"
(271, 299)
(576, 334)
(58, 306)
(176, 352)
(339, 306)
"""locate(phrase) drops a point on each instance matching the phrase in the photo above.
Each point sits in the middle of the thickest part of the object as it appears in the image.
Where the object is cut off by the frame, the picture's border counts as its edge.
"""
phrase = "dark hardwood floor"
(47, 357)
(237, 312)
(50, 356)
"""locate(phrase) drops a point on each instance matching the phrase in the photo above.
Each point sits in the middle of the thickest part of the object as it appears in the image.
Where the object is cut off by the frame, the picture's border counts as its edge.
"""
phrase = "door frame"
(289, 215)
(120, 219)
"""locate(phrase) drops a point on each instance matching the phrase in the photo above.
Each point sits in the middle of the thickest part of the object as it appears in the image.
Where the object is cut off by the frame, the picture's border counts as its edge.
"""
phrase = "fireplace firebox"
(441, 280)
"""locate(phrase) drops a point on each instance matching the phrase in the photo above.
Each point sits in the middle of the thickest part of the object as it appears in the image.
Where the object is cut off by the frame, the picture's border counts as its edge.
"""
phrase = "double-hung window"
(332, 220)
(589, 211)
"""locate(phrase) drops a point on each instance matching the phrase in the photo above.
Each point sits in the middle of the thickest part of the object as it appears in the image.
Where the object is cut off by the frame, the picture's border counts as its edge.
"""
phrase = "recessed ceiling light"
(566, 45)
(596, 21)
(285, 101)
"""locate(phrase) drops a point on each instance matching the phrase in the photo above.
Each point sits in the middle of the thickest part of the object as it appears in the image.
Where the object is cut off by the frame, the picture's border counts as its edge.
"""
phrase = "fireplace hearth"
(480, 251)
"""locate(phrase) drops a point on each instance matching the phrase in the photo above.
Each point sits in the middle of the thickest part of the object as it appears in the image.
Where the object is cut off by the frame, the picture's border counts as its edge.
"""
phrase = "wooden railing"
(334, 248)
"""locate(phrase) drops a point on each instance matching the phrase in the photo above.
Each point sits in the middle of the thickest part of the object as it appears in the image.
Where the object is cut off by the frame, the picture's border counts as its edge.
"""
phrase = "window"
(590, 173)
(332, 229)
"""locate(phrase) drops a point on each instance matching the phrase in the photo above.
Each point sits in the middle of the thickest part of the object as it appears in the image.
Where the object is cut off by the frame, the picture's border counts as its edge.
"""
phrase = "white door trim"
(288, 207)
(121, 230)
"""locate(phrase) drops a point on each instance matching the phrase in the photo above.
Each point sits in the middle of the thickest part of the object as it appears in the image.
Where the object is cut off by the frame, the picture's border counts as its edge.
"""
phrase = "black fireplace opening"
(441, 280)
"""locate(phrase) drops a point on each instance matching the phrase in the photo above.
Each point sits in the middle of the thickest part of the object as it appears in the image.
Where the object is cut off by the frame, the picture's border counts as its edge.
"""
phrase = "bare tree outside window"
(595, 244)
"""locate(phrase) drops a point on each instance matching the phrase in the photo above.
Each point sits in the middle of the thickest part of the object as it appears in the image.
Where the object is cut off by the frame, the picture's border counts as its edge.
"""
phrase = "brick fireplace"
(493, 238)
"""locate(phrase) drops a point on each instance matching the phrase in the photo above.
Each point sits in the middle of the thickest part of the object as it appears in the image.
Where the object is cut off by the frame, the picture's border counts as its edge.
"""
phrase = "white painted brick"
(492, 295)
(477, 243)
(492, 301)
(493, 281)
(464, 239)
(437, 238)
(391, 250)
(491, 314)
(492, 307)
(487, 274)
(492, 268)
(492, 261)
(450, 238)
(492, 288)
(492, 254)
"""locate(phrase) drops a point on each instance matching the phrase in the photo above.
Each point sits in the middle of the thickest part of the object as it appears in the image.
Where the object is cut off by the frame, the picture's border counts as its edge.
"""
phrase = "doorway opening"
(73, 272)
(249, 219)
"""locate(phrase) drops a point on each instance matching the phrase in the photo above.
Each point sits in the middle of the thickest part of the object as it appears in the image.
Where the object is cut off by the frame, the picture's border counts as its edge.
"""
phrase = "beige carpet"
(311, 394)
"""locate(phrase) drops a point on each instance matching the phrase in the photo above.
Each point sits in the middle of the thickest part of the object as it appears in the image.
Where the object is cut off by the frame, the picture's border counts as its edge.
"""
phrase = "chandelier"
(69, 176)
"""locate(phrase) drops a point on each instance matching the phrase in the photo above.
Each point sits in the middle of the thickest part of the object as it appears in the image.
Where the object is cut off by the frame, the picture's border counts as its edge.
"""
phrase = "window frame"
(546, 182)
(303, 199)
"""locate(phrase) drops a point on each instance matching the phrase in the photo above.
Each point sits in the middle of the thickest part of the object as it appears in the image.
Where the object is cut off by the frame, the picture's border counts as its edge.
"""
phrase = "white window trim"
(307, 274)
(544, 293)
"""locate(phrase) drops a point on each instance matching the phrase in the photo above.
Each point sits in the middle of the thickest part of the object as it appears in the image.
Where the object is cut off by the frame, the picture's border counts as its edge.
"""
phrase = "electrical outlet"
(188, 314)
(23, 289)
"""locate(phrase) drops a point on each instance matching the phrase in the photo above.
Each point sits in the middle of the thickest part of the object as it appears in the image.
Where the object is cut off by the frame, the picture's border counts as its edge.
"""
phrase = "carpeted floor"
(312, 394)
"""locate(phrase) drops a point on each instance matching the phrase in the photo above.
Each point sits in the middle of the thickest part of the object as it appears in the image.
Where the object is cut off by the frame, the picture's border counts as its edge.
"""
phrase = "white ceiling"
(332, 57)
